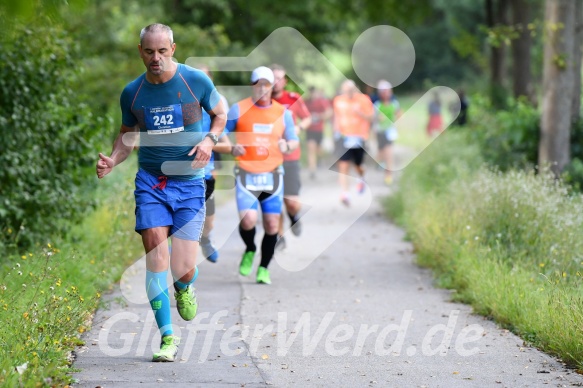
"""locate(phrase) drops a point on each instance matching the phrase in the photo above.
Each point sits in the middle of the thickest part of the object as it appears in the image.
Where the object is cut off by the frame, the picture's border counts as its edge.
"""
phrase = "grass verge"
(507, 243)
(48, 295)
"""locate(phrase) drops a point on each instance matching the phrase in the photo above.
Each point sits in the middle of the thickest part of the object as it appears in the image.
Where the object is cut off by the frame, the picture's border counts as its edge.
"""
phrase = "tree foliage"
(61, 77)
(251, 21)
(48, 138)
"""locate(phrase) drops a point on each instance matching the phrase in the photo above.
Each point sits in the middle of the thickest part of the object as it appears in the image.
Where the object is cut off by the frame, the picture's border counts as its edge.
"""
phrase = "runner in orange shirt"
(264, 132)
(353, 115)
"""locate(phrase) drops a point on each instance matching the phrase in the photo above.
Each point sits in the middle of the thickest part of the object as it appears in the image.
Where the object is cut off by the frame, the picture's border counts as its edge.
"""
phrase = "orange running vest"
(349, 123)
(259, 129)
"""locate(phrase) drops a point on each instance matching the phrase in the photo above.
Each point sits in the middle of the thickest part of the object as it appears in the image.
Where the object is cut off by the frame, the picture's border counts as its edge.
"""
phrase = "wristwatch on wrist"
(213, 137)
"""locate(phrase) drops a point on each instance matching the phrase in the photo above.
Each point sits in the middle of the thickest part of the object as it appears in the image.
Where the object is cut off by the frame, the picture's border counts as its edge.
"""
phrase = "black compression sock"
(267, 248)
(248, 237)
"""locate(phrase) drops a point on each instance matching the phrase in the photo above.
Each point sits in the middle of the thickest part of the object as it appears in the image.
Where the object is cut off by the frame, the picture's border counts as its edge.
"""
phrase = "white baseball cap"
(262, 72)
(383, 84)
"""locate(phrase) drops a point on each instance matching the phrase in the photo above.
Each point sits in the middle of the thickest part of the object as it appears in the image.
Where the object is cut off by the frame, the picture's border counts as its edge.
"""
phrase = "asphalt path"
(348, 307)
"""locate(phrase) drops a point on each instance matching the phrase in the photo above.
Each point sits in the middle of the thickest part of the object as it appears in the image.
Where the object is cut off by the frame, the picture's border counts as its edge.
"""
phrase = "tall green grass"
(48, 295)
(508, 243)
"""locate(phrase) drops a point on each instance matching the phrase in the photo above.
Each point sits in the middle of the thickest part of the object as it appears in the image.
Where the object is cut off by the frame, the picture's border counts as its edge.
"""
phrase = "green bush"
(48, 137)
(507, 138)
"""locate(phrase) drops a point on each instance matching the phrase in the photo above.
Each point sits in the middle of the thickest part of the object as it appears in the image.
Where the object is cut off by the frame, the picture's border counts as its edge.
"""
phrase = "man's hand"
(104, 165)
(238, 150)
(203, 152)
(283, 146)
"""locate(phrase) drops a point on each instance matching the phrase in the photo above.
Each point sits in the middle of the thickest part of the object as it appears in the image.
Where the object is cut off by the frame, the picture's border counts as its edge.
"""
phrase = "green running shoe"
(186, 303)
(263, 275)
(246, 263)
(168, 349)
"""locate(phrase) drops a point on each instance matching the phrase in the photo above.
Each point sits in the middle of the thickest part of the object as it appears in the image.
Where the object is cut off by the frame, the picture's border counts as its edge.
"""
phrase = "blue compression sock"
(157, 291)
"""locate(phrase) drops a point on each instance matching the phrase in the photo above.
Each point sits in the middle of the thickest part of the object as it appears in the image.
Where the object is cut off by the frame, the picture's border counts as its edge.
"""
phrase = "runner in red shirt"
(291, 163)
(321, 109)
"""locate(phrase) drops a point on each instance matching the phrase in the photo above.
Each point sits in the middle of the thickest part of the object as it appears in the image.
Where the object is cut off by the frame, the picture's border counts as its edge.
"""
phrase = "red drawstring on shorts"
(162, 184)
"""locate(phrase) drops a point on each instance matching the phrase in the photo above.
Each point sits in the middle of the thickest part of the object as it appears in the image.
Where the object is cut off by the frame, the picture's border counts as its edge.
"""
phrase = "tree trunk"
(558, 84)
(577, 56)
(521, 73)
(496, 11)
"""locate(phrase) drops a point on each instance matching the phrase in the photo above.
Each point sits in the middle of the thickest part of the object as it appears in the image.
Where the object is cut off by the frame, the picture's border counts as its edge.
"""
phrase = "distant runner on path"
(321, 109)
(387, 111)
(353, 115)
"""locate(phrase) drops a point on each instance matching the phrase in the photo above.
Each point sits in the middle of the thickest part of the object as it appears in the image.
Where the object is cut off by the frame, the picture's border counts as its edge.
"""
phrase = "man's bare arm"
(122, 147)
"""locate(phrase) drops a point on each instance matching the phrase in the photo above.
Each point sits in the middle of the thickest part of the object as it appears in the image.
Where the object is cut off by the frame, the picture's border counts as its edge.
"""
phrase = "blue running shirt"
(169, 116)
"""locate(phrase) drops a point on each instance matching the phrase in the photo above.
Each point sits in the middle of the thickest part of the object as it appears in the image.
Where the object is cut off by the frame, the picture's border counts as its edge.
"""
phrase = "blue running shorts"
(170, 202)
(249, 197)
